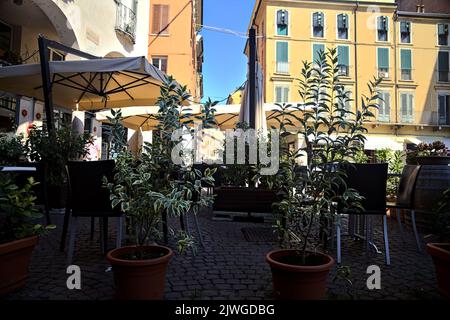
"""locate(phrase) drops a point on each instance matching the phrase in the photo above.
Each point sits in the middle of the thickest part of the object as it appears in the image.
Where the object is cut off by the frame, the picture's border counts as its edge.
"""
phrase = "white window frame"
(289, 55)
(440, 93)
(282, 85)
(437, 64)
(160, 59)
(324, 25)
(382, 92)
(349, 57)
(288, 26)
(389, 55)
(437, 35)
(388, 22)
(400, 59)
(410, 33)
(413, 106)
(348, 28)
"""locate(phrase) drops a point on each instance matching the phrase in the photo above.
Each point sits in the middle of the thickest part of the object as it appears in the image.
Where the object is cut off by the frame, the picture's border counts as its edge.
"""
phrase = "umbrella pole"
(44, 55)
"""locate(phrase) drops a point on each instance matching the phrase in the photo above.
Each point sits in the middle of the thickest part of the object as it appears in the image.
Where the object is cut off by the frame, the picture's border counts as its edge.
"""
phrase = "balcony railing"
(126, 21)
(282, 67)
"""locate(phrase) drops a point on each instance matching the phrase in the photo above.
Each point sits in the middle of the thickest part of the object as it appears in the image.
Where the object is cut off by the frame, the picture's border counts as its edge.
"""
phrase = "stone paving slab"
(229, 267)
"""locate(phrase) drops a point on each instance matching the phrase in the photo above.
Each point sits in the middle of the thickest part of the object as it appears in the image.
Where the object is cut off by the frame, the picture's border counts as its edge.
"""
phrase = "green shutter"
(278, 97)
(282, 52)
(405, 57)
(383, 58)
(343, 56)
(316, 49)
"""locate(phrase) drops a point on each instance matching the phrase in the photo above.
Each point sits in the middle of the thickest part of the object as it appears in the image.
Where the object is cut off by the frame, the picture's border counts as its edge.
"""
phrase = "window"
(317, 49)
(384, 111)
(342, 26)
(343, 60)
(344, 99)
(282, 57)
(443, 66)
(444, 109)
(382, 28)
(282, 93)
(5, 40)
(406, 64)
(406, 107)
(160, 19)
(318, 25)
(282, 22)
(383, 62)
(443, 34)
(405, 32)
(160, 63)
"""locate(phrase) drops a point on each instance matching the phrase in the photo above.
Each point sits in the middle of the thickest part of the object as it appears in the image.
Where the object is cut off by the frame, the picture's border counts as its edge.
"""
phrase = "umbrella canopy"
(144, 118)
(260, 115)
(89, 84)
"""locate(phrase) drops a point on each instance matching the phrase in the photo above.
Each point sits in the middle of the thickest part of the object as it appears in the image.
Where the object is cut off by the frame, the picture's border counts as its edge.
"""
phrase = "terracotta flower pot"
(140, 279)
(297, 282)
(440, 252)
(15, 259)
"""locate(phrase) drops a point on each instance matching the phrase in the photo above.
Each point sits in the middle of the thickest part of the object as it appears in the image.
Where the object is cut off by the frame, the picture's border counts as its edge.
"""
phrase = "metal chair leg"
(64, 230)
(416, 234)
(399, 221)
(338, 239)
(73, 231)
(119, 232)
(92, 227)
(386, 241)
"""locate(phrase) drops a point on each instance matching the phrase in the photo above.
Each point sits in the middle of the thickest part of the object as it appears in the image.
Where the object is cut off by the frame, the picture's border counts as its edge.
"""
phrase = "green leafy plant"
(12, 150)
(441, 226)
(56, 149)
(18, 214)
(396, 163)
(151, 184)
(334, 136)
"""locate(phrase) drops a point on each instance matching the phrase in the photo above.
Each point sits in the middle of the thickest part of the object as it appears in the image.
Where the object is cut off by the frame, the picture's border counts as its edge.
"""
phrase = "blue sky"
(225, 66)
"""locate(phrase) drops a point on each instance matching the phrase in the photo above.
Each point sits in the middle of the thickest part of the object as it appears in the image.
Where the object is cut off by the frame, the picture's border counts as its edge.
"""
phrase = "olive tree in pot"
(19, 231)
(333, 136)
(146, 187)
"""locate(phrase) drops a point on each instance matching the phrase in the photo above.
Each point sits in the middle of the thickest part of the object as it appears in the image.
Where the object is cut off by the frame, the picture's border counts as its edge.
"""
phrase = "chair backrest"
(405, 194)
(86, 190)
(370, 181)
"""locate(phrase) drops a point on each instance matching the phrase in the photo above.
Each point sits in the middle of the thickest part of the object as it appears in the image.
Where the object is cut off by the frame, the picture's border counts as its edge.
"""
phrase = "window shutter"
(165, 18)
(317, 19)
(404, 26)
(404, 107)
(282, 17)
(278, 97)
(387, 104)
(343, 56)
(383, 58)
(156, 23)
(405, 57)
(410, 109)
(285, 94)
(443, 59)
(443, 29)
(282, 52)
(316, 49)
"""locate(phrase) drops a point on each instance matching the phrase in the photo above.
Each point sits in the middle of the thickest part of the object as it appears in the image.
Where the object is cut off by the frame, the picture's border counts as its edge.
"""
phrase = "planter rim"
(290, 267)
(111, 256)
(435, 249)
(18, 244)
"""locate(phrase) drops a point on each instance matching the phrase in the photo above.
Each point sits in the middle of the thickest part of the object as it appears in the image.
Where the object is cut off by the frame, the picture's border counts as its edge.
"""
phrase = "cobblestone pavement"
(229, 267)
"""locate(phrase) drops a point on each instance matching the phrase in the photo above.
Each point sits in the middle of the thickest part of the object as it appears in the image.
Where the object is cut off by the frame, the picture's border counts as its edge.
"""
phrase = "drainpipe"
(396, 69)
(355, 36)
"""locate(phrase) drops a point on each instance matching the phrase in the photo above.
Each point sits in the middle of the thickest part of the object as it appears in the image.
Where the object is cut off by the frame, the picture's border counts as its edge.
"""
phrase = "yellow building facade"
(409, 50)
(175, 45)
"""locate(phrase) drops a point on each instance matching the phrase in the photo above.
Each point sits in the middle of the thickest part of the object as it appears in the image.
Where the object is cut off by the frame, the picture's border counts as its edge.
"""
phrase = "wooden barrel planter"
(432, 181)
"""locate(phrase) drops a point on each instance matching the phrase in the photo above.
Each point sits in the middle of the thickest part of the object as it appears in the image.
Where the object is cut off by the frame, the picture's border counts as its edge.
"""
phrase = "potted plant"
(53, 151)
(147, 186)
(440, 251)
(395, 160)
(18, 232)
(12, 150)
(333, 137)
(435, 153)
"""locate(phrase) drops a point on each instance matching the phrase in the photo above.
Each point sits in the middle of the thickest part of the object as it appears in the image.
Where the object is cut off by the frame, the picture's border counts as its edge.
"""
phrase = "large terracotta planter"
(440, 252)
(139, 279)
(15, 259)
(296, 282)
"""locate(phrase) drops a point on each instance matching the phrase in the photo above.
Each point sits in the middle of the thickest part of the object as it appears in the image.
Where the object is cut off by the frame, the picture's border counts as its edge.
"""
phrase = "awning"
(91, 84)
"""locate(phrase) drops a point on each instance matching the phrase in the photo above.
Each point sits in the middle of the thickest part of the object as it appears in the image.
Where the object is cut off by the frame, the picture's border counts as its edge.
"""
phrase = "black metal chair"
(89, 198)
(370, 181)
(405, 198)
